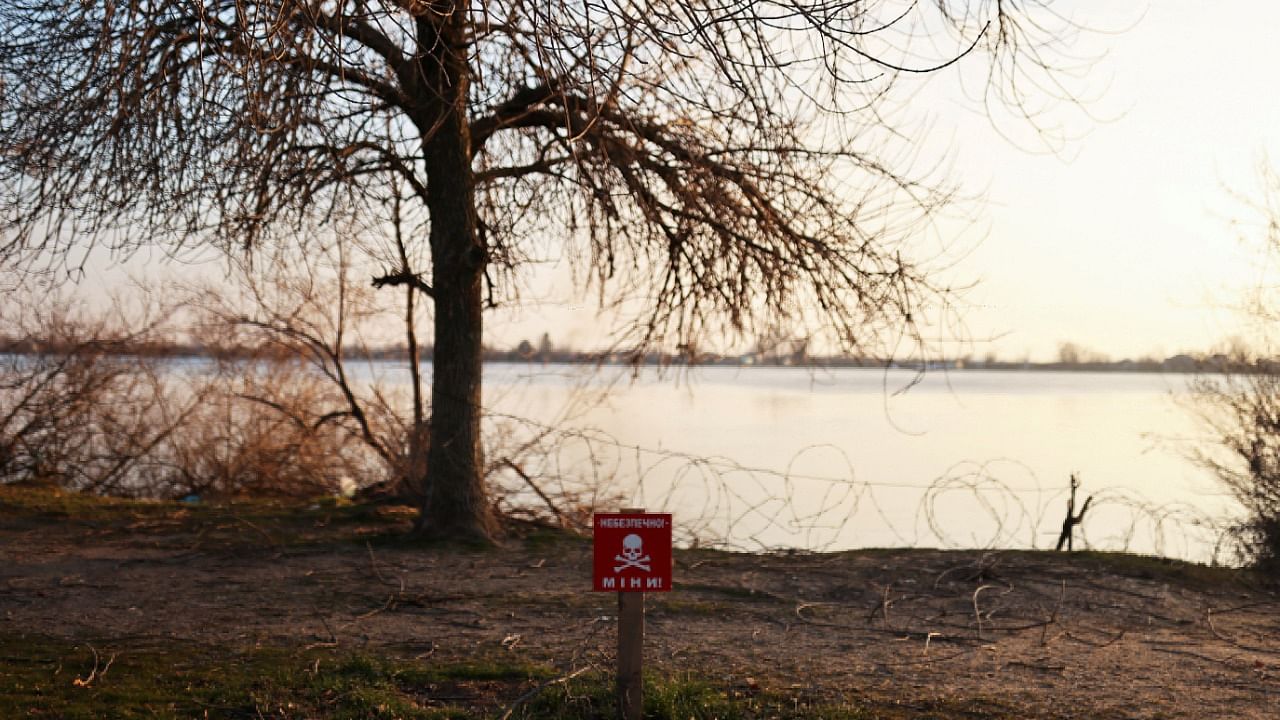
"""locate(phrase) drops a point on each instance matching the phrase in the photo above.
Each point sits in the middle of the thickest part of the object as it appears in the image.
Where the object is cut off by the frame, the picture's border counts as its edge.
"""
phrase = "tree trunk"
(456, 502)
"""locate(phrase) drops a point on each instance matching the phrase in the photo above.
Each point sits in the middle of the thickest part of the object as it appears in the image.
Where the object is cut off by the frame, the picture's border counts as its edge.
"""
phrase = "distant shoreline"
(1178, 364)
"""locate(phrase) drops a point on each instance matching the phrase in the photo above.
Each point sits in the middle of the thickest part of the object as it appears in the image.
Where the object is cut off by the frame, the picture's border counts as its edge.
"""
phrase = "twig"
(270, 540)
(388, 605)
(1246, 606)
(927, 639)
(92, 673)
(95, 673)
(1091, 643)
(1053, 617)
(977, 614)
(333, 639)
(982, 569)
(534, 692)
(1208, 616)
(529, 481)
(883, 607)
(1221, 661)
(1036, 666)
(373, 565)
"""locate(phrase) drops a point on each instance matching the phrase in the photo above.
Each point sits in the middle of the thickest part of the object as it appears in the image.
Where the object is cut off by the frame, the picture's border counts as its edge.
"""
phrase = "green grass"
(1149, 567)
(42, 677)
(48, 503)
(685, 696)
(680, 697)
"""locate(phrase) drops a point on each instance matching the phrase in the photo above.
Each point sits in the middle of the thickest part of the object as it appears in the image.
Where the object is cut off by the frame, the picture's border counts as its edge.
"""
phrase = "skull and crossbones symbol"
(632, 554)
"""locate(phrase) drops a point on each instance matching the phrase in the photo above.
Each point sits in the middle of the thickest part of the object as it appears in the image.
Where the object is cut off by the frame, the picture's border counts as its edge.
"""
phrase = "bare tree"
(1070, 353)
(707, 164)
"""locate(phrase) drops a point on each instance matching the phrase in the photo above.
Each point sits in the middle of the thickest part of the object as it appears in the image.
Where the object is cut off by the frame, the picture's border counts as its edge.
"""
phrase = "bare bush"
(83, 403)
(1238, 395)
(329, 366)
(295, 325)
(100, 404)
(1241, 406)
(255, 432)
(285, 398)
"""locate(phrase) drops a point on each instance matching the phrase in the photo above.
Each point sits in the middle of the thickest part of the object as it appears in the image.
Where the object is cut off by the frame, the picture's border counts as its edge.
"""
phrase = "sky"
(1137, 239)
(1127, 240)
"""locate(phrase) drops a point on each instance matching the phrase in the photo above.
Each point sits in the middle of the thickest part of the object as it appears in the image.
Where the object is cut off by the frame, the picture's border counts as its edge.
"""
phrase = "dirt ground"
(1003, 634)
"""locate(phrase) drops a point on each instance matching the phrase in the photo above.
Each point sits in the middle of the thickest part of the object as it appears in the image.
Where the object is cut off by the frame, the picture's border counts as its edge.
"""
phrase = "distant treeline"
(524, 353)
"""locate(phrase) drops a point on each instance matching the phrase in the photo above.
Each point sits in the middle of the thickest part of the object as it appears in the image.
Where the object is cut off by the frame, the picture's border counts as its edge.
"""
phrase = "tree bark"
(456, 502)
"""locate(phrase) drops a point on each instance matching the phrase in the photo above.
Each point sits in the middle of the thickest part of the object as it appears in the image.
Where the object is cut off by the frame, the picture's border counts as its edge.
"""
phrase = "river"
(776, 457)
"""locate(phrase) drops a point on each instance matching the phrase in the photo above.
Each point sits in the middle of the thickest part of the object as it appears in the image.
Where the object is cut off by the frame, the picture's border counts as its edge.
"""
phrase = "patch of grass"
(541, 538)
(1148, 567)
(43, 502)
(681, 697)
(483, 670)
(42, 677)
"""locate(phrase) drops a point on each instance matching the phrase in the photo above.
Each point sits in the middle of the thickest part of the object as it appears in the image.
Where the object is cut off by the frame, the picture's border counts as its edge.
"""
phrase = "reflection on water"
(851, 458)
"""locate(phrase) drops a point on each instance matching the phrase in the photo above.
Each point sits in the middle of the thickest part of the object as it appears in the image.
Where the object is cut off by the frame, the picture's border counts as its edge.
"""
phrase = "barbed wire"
(998, 503)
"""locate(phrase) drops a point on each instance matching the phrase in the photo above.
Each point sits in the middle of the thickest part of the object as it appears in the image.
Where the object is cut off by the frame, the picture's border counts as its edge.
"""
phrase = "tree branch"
(411, 279)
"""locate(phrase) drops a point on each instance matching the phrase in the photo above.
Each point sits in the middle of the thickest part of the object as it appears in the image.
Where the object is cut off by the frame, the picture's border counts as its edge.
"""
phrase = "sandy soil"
(1028, 634)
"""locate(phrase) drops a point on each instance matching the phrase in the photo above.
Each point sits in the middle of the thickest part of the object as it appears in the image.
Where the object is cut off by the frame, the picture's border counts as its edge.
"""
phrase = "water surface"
(844, 458)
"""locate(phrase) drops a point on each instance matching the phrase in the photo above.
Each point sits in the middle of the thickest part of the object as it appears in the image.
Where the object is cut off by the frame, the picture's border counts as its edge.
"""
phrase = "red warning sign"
(632, 552)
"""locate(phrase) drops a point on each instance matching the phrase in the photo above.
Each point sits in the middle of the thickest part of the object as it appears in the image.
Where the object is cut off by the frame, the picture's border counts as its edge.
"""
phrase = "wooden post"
(631, 651)
(630, 655)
